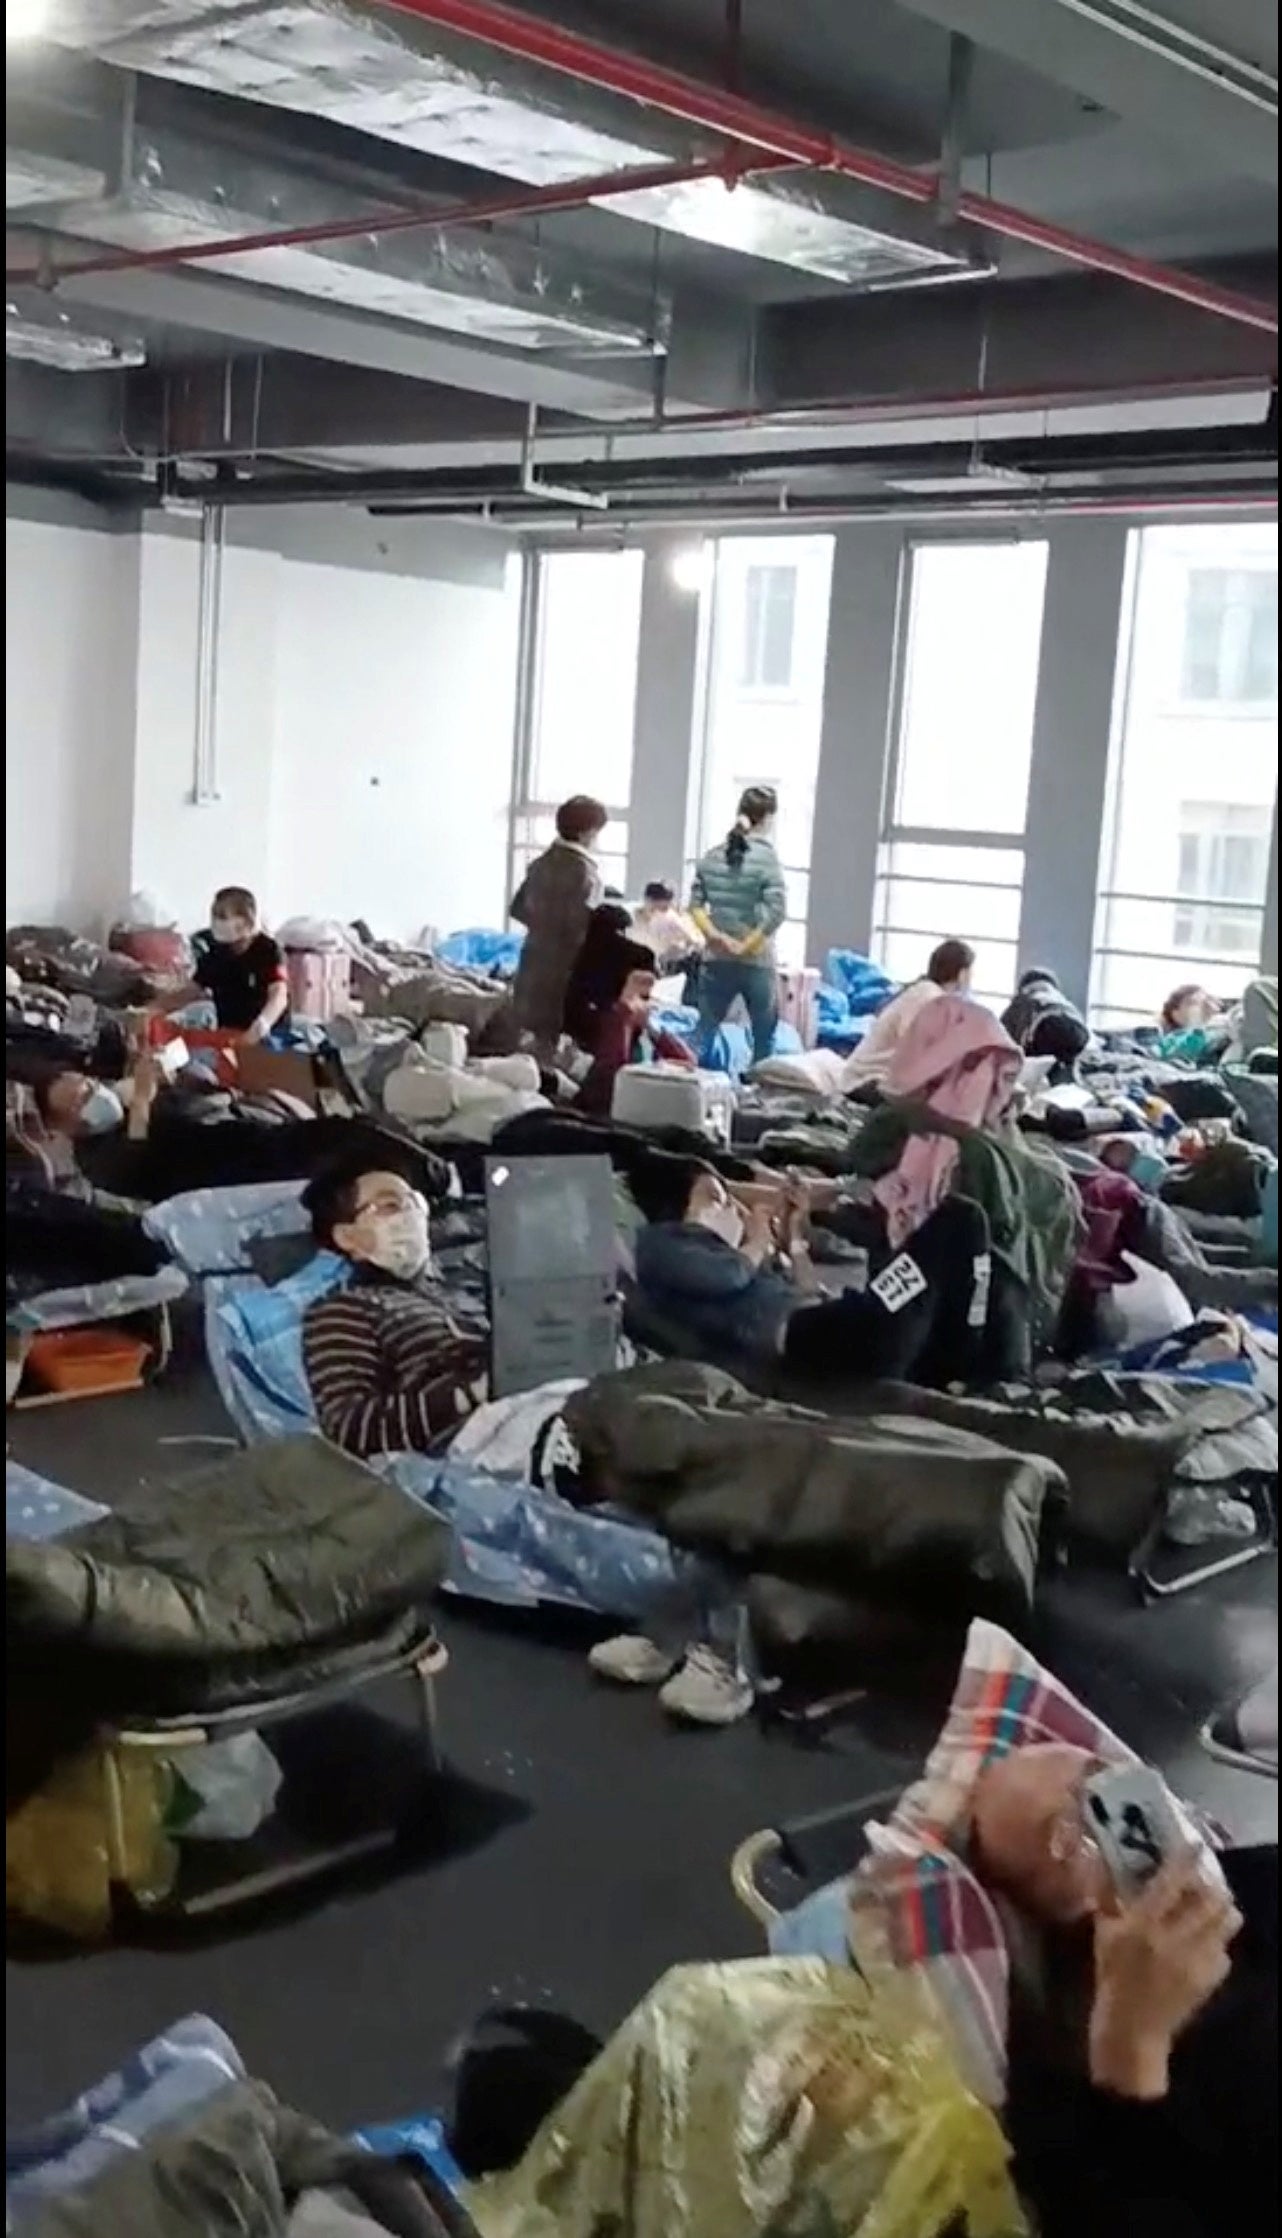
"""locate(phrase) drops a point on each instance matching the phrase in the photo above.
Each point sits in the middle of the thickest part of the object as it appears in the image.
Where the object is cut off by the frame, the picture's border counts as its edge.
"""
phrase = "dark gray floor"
(586, 1850)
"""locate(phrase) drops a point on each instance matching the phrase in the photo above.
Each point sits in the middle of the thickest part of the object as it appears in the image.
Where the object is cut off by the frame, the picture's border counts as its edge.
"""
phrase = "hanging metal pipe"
(718, 110)
(209, 608)
(515, 202)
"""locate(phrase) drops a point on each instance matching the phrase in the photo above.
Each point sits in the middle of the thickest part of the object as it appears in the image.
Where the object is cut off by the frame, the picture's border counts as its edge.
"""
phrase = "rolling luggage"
(320, 982)
(798, 999)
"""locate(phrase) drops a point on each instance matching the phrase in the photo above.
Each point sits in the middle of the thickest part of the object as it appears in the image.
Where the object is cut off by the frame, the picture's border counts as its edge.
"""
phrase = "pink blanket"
(955, 1057)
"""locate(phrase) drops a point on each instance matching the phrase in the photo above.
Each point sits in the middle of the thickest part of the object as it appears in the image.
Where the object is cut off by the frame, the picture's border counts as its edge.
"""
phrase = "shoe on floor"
(707, 1691)
(632, 1660)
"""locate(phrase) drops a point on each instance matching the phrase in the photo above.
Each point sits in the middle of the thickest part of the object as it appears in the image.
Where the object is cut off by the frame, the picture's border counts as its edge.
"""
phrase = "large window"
(952, 855)
(765, 639)
(1230, 637)
(1193, 776)
(581, 700)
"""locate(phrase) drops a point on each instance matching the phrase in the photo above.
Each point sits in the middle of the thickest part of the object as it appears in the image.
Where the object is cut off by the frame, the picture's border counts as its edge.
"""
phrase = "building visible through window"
(579, 721)
(1230, 636)
(1223, 860)
(770, 608)
(765, 633)
(1193, 770)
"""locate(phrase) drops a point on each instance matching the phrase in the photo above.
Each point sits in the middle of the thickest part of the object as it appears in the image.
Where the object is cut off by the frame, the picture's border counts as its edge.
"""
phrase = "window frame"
(891, 832)
(714, 626)
(524, 808)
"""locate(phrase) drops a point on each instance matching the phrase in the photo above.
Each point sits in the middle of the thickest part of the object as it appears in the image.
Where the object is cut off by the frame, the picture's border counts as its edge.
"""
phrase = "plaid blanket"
(915, 1903)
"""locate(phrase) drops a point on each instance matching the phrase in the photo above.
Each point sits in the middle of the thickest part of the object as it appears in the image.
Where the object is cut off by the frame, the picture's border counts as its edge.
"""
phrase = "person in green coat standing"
(739, 901)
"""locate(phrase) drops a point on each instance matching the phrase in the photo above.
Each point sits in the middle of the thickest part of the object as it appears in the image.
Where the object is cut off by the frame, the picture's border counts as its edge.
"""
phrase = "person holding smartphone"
(1143, 2048)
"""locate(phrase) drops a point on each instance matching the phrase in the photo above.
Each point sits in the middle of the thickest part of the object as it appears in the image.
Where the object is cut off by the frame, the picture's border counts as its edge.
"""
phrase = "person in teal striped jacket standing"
(738, 901)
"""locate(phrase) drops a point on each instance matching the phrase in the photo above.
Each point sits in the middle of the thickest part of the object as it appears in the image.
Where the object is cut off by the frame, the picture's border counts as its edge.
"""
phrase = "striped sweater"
(389, 1371)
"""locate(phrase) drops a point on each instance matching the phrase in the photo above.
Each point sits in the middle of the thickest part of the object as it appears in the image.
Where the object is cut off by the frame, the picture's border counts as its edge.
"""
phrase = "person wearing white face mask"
(388, 1368)
(49, 1117)
(727, 1277)
(239, 968)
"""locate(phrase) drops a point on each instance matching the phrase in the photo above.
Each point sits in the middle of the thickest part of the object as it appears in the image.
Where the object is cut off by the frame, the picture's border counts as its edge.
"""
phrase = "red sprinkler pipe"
(531, 40)
(516, 202)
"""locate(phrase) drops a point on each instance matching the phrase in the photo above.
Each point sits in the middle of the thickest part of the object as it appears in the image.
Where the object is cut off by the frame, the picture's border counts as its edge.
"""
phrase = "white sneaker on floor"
(632, 1660)
(707, 1690)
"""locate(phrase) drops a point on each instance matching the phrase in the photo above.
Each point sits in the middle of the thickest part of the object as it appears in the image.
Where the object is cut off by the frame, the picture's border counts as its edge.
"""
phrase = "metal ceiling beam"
(510, 31)
(1240, 489)
(282, 406)
(910, 452)
(262, 318)
(1135, 63)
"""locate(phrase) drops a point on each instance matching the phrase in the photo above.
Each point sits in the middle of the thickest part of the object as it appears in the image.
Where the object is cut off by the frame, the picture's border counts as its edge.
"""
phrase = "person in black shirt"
(240, 969)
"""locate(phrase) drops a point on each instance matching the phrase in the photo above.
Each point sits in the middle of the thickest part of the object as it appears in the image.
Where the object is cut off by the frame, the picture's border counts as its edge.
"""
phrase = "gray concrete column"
(663, 723)
(859, 700)
(1269, 940)
(1072, 732)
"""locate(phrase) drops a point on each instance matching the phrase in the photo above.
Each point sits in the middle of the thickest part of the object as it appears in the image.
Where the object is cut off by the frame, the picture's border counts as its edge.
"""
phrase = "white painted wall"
(71, 622)
(182, 851)
(363, 723)
(392, 765)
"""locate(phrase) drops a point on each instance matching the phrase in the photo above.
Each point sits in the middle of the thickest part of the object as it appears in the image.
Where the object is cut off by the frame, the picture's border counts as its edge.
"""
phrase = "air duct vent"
(493, 287)
(421, 88)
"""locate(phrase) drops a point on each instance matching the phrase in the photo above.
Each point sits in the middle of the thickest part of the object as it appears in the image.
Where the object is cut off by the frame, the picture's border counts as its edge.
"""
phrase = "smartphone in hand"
(172, 1058)
(1138, 1827)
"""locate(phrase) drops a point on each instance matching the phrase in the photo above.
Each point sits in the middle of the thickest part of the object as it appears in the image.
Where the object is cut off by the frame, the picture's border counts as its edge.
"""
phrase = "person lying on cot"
(1143, 2043)
(1192, 1026)
(731, 1277)
(387, 1366)
(728, 1277)
(49, 1118)
(626, 1034)
(239, 968)
(1042, 1020)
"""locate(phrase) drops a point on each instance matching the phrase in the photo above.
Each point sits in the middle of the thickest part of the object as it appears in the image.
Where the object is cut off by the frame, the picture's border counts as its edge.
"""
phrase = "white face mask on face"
(724, 1220)
(100, 1112)
(398, 1242)
(228, 930)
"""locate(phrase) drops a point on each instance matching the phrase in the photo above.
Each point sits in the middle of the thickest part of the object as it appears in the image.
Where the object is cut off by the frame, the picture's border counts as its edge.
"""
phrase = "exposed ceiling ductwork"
(176, 187)
(417, 87)
(363, 242)
(39, 332)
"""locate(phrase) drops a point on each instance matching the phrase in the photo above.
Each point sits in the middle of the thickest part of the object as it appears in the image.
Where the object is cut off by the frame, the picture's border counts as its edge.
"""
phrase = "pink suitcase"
(320, 982)
(799, 1005)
